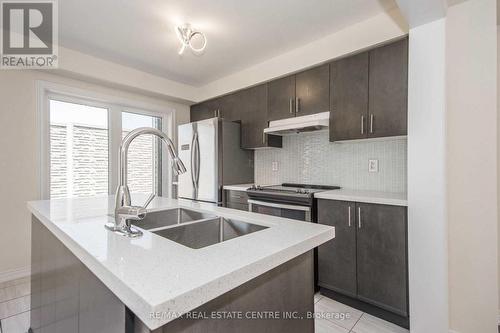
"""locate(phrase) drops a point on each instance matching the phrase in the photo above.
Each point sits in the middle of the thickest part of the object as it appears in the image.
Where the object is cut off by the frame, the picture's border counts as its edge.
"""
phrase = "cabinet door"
(337, 258)
(254, 119)
(281, 98)
(312, 91)
(229, 106)
(204, 110)
(349, 98)
(382, 256)
(388, 90)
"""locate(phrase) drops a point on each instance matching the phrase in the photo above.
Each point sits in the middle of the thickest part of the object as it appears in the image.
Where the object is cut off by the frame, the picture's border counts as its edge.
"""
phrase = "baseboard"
(14, 274)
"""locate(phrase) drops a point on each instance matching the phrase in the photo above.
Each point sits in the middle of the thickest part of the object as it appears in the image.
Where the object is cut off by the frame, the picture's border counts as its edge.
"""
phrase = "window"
(144, 155)
(78, 150)
(80, 138)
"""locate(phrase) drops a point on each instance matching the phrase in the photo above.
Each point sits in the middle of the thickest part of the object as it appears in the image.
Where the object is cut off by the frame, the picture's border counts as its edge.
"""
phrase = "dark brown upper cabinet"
(205, 110)
(229, 106)
(249, 106)
(226, 107)
(202, 111)
(368, 94)
(312, 91)
(300, 94)
(349, 97)
(388, 90)
(253, 103)
(281, 98)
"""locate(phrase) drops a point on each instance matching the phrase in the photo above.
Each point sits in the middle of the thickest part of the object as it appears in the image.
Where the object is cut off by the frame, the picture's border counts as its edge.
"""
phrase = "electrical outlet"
(275, 166)
(372, 165)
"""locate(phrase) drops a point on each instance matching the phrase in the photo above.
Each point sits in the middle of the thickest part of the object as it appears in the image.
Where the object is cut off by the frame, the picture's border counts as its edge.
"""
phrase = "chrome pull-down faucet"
(124, 211)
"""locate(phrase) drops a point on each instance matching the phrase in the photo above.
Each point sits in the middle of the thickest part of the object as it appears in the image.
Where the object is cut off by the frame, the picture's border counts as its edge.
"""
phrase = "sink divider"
(184, 223)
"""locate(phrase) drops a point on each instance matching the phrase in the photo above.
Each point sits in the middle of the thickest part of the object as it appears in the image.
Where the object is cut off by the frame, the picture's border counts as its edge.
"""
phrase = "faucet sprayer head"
(177, 166)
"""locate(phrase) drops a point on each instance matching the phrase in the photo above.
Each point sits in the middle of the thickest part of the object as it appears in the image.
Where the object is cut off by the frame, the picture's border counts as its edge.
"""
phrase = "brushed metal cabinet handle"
(359, 217)
(263, 137)
(297, 105)
(362, 124)
(371, 122)
(349, 216)
(291, 106)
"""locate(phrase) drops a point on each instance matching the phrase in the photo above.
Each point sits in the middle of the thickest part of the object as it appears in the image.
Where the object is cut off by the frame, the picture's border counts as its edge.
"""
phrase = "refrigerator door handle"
(193, 147)
(197, 162)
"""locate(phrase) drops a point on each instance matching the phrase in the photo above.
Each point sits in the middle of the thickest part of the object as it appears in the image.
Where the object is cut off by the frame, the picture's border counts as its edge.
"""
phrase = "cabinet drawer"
(236, 197)
(238, 206)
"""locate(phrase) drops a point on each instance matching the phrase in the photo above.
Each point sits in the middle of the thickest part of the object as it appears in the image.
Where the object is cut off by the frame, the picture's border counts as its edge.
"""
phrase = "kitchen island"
(88, 279)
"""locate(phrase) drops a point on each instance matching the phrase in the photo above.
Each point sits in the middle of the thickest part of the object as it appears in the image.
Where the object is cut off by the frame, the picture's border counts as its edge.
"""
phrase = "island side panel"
(288, 288)
(66, 296)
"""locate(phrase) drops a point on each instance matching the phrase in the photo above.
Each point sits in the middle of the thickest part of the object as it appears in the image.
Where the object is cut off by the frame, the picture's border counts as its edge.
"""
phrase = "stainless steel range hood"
(313, 122)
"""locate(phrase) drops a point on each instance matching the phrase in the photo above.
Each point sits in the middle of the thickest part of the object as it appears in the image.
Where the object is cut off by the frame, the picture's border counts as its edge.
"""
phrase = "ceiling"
(140, 34)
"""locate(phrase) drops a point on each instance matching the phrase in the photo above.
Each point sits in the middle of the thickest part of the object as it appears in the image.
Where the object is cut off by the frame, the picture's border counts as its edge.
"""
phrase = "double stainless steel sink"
(165, 218)
(195, 229)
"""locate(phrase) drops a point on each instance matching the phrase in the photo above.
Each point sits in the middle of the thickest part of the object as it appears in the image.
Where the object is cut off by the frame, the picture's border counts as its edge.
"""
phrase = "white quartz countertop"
(375, 197)
(239, 187)
(152, 274)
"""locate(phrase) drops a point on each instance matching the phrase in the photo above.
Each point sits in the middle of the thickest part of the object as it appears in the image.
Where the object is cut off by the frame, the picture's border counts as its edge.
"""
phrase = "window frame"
(115, 106)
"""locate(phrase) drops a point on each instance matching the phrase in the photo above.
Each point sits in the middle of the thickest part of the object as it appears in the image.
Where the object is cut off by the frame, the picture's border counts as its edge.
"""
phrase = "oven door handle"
(277, 205)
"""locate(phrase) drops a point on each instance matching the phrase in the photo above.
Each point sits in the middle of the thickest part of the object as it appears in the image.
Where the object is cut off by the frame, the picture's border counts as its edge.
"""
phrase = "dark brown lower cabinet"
(236, 200)
(68, 298)
(382, 256)
(337, 259)
(367, 260)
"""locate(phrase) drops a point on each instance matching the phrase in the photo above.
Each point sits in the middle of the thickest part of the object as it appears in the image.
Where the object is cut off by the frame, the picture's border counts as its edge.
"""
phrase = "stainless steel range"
(295, 201)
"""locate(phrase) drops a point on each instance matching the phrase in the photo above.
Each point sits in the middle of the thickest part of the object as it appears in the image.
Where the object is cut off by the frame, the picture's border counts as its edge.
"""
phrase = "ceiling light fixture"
(185, 33)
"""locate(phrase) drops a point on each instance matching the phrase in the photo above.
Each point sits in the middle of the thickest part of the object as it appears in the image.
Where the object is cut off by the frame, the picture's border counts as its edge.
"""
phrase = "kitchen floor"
(15, 314)
(345, 319)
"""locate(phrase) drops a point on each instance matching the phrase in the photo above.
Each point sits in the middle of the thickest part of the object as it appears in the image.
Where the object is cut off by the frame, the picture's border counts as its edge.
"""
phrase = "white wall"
(427, 224)
(498, 154)
(18, 161)
(472, 165)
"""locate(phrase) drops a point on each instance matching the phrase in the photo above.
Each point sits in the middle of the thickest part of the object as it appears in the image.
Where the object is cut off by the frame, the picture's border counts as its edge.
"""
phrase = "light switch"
(275, 166)
(372, 165)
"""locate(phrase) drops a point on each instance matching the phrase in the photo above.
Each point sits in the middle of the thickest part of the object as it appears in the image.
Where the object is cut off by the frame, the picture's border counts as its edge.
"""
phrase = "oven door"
(302, 213)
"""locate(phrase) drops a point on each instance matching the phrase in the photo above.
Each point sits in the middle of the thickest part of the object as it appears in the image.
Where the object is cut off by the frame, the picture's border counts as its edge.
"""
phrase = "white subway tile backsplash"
(310, 158)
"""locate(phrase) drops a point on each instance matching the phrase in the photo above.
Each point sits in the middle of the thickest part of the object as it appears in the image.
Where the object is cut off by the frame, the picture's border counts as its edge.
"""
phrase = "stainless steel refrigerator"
(210, 150)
